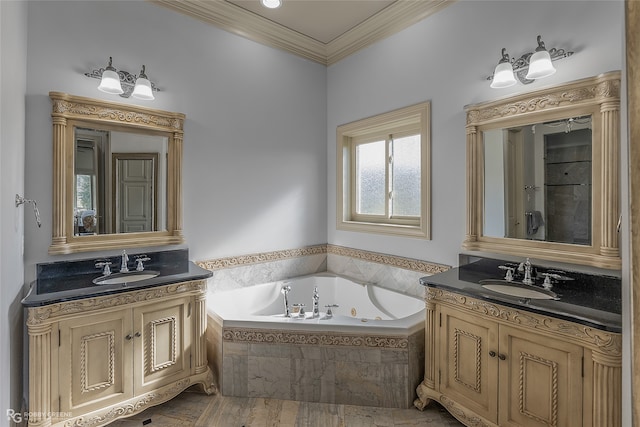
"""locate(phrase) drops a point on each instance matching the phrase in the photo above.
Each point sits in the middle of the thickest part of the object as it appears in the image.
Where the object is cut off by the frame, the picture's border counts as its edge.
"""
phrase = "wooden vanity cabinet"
(491, 365)
(94, 360)
(508, 376)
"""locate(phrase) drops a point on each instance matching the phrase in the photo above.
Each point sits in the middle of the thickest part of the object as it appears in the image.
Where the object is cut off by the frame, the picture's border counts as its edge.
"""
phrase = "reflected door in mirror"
(135, 184)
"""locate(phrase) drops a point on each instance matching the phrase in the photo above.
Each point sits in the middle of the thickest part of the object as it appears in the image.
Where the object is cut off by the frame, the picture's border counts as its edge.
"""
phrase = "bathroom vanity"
(494, 359)
(102, 352)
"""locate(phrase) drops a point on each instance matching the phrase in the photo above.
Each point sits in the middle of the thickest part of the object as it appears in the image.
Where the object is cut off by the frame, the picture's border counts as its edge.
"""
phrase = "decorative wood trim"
(632, 33)
(274, 336)
(602, 369)
(136, 404)
(598, 96)
(49, 313)
(173, 325)
(43, 381)
(553, 368)
(68, 110)
(84, 362)
(608, 343)
(229, 17)
(457, 334)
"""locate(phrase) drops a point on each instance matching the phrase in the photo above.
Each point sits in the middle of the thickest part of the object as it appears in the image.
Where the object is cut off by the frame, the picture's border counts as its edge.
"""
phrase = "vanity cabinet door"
(540, 380)
(94, 361)
(162, 345)
(468, 372)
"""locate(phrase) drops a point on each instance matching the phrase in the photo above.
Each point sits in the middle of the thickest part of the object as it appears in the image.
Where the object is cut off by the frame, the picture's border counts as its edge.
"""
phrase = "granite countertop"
(592, 300)
(72, 280)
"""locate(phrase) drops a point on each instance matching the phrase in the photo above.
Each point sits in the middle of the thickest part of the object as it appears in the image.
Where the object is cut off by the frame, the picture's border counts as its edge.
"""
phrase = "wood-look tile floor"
(192, 409)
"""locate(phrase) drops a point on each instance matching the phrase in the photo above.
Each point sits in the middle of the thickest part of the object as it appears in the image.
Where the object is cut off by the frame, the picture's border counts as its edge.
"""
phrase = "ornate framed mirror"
(543, 174)
(117, 175)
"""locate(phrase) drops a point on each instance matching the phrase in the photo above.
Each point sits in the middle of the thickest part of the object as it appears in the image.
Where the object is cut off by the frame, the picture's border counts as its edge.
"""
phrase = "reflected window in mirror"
(538, 181)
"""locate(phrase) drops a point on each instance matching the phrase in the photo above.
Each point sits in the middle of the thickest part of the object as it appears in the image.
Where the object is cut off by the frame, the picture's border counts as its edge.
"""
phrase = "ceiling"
(324, 31)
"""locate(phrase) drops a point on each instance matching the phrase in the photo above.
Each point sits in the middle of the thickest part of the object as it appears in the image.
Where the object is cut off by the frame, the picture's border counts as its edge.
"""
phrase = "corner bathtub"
(371, 352)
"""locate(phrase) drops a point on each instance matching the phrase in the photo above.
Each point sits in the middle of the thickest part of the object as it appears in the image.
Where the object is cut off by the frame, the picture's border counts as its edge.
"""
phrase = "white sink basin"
(517, 289)
(119, 278)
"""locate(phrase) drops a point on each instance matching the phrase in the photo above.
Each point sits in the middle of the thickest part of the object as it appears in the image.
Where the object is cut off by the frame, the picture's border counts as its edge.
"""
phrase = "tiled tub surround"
(323, 367)
(320, 367)
(388, 271)
(369, 353)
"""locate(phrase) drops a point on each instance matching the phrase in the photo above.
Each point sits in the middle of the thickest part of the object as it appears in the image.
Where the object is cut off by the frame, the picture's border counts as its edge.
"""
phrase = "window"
(383, 173)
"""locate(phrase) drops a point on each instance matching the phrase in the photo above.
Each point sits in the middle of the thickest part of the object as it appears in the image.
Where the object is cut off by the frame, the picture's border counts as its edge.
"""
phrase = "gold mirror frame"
(92, 111)
(598, 96)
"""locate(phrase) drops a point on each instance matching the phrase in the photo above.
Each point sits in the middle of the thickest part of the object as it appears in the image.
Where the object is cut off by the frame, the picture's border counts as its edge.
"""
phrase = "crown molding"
(236, 20)
(394, 18)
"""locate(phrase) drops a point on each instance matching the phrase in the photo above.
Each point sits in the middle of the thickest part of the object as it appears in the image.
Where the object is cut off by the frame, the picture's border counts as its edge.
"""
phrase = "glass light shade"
(271, 4)
(110, 82)
(503, 76)
(142, 90)
(540, 65)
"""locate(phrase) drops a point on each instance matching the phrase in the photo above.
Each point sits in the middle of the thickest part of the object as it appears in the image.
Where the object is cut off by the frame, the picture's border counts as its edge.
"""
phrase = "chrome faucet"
(123, 263)
(316, 298)
(285, 292)
(104, 263)
(139, 262)
(527, 268)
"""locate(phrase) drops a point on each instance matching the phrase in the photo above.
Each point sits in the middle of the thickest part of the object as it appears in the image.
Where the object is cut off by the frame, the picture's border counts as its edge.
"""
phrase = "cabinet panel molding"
(115, 355)
(545, 371)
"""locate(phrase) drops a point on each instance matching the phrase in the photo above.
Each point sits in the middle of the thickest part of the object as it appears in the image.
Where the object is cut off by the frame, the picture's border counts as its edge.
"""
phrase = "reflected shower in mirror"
(120, 181)
(538, 181)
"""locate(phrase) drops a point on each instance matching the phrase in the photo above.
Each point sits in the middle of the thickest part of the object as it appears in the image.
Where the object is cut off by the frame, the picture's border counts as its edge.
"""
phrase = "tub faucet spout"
(316, 299)
(285, 293)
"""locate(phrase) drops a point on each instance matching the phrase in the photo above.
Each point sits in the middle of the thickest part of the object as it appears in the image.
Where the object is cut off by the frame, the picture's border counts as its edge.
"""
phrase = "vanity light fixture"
(503, 74)
(110, 81)
(143, 89)
(271, 4)
(529, 67)
(123, 83)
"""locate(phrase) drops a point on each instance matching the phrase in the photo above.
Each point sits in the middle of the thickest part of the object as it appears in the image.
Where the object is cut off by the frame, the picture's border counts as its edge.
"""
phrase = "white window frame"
(412, 119)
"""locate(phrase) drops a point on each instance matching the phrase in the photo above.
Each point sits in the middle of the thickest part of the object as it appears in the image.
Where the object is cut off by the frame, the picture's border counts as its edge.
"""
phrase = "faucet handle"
(509, 272)
(300, 308)
(329, 307)
(104, 263)
(139, 260)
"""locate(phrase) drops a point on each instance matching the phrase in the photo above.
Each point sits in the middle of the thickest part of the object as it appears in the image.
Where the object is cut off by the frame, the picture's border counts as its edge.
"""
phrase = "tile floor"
(192, 409)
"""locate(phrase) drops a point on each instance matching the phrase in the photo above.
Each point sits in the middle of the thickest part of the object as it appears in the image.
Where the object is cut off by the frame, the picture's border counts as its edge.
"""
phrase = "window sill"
(418, 231)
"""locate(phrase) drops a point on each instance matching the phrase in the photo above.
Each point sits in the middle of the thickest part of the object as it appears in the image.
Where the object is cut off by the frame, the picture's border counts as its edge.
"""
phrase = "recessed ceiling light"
(271, 4)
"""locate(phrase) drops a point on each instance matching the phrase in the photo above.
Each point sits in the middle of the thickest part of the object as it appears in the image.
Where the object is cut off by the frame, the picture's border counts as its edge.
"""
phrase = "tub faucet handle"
(329, 312)
(300, 309)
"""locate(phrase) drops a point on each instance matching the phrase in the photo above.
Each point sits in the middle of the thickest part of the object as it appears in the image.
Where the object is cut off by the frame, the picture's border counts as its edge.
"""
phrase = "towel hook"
(21, 200)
